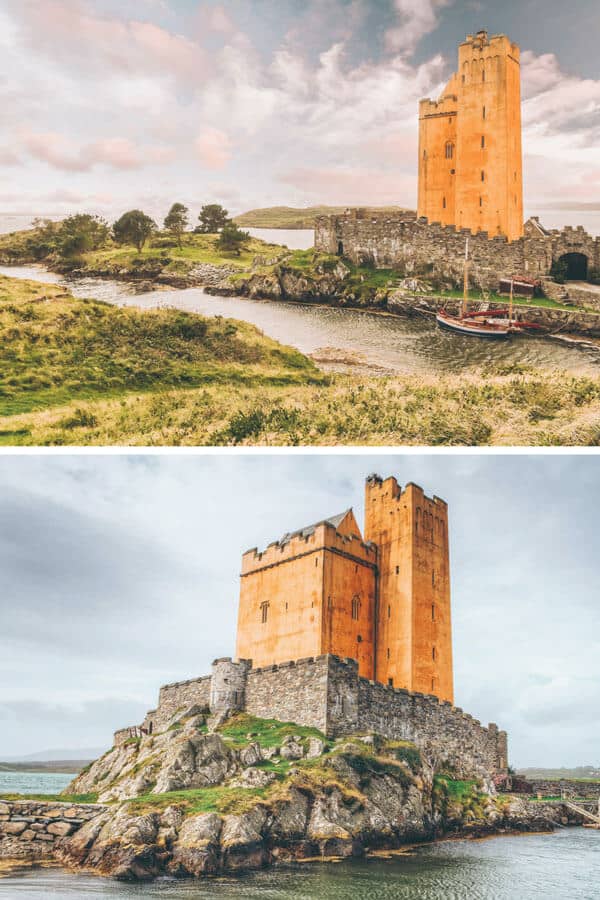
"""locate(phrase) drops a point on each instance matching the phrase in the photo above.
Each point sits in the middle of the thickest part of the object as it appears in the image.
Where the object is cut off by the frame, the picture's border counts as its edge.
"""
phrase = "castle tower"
(470, 158)
(413, 635)
(310, 593)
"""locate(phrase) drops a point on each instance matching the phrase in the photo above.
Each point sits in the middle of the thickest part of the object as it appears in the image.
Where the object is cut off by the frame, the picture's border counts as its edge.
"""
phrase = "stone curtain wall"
(178, 697)
(31, 829)
(415, 245)
(444, 733)
(326, 692)
(291, 692)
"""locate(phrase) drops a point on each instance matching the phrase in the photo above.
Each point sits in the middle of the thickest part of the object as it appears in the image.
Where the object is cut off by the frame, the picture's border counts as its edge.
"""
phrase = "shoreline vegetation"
(83, 372)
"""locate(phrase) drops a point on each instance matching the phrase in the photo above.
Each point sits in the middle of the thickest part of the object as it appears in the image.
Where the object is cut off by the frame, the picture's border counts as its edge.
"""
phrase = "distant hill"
(291, 217)
(57, 754)
(68, 766)
(592, 772)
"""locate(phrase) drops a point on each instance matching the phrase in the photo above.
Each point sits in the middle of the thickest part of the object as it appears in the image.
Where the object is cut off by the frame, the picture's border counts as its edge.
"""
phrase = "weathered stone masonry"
(327, 693)
(31, 830)
(418, 246)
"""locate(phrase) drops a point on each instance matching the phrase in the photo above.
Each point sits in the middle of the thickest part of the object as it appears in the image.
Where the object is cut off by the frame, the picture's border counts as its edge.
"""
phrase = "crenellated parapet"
(327, 692)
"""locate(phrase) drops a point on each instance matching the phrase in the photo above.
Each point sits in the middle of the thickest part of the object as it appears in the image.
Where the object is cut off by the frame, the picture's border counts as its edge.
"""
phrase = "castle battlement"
(326, 692)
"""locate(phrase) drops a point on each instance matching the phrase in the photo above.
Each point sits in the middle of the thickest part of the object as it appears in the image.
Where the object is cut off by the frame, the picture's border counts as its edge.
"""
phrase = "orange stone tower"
(413, 627)
(384, 600)
(470, 158)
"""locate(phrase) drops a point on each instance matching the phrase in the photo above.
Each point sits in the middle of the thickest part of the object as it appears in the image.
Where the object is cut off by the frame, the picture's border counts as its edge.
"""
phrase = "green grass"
(202, 800)
(456, 789)
(243, 729)
(53, 798)
(57, 349)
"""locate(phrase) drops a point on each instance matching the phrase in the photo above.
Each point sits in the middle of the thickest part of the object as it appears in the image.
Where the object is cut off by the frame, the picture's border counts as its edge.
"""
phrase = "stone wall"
(551, 787)
(31, 829)
(327, 693)
(176, 698)
(444, 733)
(418, 246)
(291, 692)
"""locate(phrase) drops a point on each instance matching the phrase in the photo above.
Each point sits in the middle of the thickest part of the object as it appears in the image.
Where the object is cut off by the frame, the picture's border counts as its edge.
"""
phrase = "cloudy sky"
(112, 103)
(120, 573)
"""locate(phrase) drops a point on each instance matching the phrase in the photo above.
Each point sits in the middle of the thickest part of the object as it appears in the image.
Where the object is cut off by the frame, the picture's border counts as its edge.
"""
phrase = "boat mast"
(510, 303)
(465, 281)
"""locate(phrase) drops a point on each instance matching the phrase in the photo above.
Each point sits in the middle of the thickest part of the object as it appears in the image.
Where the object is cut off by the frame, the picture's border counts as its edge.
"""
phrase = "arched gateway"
(575, 266)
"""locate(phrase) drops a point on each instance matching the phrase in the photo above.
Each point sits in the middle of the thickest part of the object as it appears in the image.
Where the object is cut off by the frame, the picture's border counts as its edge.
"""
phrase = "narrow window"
(444, 203)
(449, 150)
(424, 154)
(286, 607)
(483, 75)
(355, 607)
(433, 684)
(482, 141)
(482, 175)
(264, 612)
(316, 561)
(484, 112)
(433, 653)
(481, 201)
(433, 612)
(389, 611)
(388, 652)
(433, 578)
(463, 79)
(397, 570)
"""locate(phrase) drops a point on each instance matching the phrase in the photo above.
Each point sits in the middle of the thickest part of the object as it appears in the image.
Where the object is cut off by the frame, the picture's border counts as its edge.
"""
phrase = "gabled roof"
(336, 521)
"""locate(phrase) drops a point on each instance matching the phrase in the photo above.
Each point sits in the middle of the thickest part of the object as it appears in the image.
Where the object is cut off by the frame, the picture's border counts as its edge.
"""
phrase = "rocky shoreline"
(329, 287)
(211, 797)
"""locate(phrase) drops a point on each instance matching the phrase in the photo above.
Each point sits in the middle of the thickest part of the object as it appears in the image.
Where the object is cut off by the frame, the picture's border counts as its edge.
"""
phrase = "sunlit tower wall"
(470, 156)
(413, 627)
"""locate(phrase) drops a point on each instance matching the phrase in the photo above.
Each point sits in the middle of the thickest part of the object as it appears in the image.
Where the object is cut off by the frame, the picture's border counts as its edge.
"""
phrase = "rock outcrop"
(188, 802)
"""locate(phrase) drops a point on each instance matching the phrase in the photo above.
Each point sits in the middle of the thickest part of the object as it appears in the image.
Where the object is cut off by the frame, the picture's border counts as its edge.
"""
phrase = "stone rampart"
(291, 692)
(446, 735)
(32, 829)
(326, 692)
(428, 248)
(177, 698)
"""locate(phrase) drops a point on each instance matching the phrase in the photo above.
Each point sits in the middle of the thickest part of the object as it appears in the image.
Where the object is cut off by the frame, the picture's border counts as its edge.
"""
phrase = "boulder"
(316, 747)
(197, 851)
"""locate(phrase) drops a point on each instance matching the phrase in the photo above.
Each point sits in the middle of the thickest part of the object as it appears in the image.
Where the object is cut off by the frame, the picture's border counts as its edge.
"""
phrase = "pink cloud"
(213, 148)
(114, 152)
(8, 157)
(73, 27)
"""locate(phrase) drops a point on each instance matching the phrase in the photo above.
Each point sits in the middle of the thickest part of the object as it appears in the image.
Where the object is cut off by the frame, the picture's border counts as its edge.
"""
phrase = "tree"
(232, 238)
(80, 234)
(177, 221)
(212, 218)
(134, 227)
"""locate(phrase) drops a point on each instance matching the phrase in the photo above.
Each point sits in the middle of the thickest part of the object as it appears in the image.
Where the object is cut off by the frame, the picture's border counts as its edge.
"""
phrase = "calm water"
(563, 866)
(378, 342)
(33, 782)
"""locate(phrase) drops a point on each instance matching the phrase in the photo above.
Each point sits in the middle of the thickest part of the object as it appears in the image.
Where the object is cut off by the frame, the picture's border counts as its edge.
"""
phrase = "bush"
(558, 270)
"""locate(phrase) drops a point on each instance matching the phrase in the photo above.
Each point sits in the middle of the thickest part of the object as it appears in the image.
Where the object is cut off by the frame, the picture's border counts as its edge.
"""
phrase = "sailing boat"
(469, 322)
